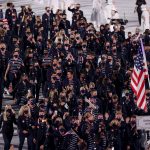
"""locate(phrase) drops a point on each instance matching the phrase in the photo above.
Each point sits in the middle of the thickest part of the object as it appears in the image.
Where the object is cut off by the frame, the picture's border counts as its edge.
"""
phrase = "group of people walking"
(83, 75)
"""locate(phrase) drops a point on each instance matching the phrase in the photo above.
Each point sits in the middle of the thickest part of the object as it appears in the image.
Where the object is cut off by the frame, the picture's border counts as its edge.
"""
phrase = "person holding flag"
(139, 77)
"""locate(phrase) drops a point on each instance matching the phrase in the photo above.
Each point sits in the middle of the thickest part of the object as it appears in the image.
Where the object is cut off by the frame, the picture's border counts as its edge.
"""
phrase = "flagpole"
(143, 50)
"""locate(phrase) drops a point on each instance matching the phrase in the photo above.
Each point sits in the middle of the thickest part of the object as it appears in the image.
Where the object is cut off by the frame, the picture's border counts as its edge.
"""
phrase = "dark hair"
(140, 2)
(67, 123)
(70, 71)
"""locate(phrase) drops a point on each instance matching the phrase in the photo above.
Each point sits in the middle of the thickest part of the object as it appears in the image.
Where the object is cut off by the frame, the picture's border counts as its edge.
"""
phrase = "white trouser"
(145, 19)
(108, 12)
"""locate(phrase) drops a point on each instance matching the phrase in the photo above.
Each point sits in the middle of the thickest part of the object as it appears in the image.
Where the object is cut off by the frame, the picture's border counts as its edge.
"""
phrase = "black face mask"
(83, 92)
(14, 42)
(108, 29)
(133, 122)
(40, 40)
(148, 101)
(109, 60)
(66, 45)
(26, 112)
(54, 78)
(25, 80)
(59, 74)
(54, 65)
(148, 94)
(62, 130)
(83, 46)
(41, 116)
(42, 106)
(127, 94)
(56, 30)
(63, 98)
(59, 49)
(119, 119)
(36, 68)
(94, 96)
(108, 47)
(115, 127)
(2, 49)
(75, 125)
(77, 38)
(102, 31)
(16, 56)
(57, 123)
(9, 111)
(78, 45)
(86, 66)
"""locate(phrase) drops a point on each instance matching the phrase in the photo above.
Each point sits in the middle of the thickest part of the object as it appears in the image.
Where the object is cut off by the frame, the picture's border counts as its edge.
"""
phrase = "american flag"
(139, 74)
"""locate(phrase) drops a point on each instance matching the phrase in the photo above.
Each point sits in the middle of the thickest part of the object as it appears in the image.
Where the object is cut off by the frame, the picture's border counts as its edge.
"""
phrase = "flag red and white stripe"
(139, 74)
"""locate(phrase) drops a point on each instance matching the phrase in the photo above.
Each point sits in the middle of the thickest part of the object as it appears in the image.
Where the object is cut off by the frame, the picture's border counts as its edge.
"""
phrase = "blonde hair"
(22, 109)
(5, 112)
(92, 84)
(87, 115)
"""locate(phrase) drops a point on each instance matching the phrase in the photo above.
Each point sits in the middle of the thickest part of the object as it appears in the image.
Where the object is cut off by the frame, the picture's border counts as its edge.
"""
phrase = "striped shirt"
(90, 141)
(70, 141)
(15, 65)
